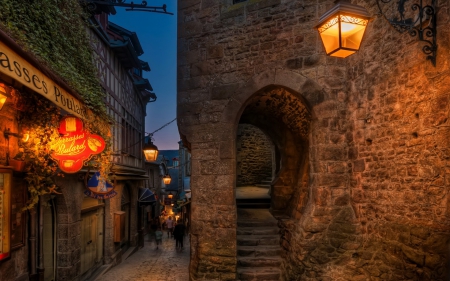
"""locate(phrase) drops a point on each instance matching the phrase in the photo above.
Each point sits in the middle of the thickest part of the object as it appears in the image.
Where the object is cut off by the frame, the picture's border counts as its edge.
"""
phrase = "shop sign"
(75, 146)
(99, 189)
(14, 66)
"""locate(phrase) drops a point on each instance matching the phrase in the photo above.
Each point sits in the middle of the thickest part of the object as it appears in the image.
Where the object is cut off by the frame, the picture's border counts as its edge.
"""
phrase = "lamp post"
(342, 28)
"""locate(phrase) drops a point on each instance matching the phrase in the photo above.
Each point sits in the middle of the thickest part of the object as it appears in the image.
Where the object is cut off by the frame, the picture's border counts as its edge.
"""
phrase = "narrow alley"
(150, 264)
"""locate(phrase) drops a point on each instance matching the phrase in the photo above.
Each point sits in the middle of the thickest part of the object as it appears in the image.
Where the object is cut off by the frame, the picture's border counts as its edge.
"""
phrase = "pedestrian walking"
(178, 233)
(158, 236)
(169, 223)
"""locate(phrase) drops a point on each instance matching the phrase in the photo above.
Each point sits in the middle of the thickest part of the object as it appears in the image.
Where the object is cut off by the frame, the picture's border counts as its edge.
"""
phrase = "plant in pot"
(18, 161)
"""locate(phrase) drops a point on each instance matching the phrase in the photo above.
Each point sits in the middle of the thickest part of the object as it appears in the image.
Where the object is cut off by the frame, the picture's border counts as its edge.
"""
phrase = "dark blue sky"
(158, 36)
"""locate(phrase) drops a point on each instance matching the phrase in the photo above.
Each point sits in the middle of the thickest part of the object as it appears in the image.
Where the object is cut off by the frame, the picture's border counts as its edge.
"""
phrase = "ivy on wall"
(55, 32)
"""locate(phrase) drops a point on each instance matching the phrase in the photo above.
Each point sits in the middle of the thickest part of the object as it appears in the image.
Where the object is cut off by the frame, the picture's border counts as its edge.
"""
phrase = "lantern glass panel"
(167, 180)
(2, 100)
(151, 155)
(352, 31)
(329, 32)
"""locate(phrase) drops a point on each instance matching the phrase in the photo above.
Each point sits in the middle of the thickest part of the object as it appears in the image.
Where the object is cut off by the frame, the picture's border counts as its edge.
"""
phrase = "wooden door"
(89, 234)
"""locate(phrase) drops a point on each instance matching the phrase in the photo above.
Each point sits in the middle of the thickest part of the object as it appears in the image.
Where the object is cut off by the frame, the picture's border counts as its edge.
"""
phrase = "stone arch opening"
(284, 117)
(254, 167)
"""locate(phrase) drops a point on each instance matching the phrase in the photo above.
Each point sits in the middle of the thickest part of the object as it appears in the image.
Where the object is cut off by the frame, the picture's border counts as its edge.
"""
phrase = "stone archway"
(285, 118)
(208, 128)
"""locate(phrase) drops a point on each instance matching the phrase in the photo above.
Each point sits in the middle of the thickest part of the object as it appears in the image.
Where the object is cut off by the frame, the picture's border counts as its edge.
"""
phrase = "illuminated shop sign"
(75, 146)
(99, 189)
(12, 65)
(5, 213)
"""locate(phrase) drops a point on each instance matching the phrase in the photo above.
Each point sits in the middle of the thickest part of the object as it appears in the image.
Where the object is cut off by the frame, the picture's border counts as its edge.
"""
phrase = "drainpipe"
(33, 226)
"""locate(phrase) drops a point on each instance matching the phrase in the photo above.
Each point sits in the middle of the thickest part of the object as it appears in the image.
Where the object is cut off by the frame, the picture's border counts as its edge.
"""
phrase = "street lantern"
(167, 179)
(150, 151)
(342, 28)
(170, 195)
(3, 95)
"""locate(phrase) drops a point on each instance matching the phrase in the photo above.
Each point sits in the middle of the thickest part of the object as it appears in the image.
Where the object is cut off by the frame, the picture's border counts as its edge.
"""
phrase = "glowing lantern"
(167, 179)
(150, 151)
(342, 28)
(3, 95)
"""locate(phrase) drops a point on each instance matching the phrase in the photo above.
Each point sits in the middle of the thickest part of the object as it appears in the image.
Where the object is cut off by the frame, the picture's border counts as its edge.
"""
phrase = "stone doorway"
(284, 118)
(254, 167)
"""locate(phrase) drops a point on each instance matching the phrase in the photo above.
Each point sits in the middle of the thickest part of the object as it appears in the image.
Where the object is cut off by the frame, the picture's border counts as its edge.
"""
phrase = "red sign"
(75, 146)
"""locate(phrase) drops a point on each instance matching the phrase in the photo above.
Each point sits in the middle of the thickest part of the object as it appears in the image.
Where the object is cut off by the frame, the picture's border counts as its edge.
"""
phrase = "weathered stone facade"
(254, 156)
(363, 141)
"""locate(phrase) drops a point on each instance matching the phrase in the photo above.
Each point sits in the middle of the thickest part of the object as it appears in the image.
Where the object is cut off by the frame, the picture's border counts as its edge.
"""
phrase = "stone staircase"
(258, 246)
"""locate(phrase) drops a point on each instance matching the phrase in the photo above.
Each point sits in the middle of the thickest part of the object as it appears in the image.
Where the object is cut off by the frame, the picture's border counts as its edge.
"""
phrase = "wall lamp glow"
(342, 28)
(167, 179)
(3, 95)
(23, 137)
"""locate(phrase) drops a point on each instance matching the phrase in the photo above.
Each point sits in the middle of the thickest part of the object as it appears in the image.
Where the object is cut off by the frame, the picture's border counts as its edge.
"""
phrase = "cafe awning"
(146, 196)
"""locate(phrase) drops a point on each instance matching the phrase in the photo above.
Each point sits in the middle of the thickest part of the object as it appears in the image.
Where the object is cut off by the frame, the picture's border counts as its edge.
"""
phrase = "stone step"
(258, 230)
(263, 185)
(259, 262)
(259, 274)
(256, 240)
(251, 205)
(265, 223)
(259, 251)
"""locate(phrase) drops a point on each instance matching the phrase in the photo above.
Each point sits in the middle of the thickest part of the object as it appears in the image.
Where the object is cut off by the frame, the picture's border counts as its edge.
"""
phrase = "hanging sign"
(75, 146)
(99, 189)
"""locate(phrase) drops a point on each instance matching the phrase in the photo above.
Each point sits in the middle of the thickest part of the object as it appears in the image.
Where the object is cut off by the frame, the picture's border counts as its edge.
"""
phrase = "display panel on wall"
(5, 213)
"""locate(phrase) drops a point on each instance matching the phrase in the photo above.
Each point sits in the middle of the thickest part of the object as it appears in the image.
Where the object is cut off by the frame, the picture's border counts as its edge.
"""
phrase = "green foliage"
(56, 33)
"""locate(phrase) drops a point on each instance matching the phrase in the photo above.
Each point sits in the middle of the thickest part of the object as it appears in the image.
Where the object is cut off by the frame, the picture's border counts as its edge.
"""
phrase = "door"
(89, 238)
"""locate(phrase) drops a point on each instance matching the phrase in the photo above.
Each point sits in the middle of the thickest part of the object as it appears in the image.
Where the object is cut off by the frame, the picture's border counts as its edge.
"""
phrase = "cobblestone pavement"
(150, 264)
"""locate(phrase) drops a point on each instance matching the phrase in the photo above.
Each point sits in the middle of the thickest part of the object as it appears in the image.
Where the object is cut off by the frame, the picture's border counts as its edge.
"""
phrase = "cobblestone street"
(150, 264)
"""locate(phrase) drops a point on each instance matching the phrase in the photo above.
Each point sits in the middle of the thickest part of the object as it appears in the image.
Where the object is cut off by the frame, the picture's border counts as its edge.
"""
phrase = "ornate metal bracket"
(96, 5)
(423, 25)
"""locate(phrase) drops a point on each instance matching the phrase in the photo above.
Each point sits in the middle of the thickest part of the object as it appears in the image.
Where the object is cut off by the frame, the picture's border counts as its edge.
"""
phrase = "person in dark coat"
(178, 233)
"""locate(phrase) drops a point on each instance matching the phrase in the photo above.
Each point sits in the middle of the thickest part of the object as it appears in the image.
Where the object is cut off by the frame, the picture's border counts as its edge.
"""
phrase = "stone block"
(359, 166)
(224, 91)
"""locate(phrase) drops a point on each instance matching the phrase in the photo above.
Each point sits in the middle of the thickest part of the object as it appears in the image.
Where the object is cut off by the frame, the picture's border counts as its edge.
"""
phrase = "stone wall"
(254, 156)
(367, 188)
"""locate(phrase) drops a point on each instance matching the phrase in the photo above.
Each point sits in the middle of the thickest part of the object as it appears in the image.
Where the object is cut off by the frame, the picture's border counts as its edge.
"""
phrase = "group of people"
(174, 229)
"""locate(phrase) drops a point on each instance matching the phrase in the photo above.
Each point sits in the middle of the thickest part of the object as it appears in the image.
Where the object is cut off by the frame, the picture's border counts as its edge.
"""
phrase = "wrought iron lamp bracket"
(94, 5)
(422, 26)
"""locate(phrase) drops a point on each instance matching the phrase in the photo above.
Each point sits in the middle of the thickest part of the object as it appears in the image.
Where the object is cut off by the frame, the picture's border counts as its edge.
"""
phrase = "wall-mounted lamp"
(150, 150)
(3, 95)
(7, 133)
(167, 179)
(170, 195)
(23, 137)
(342, 28)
